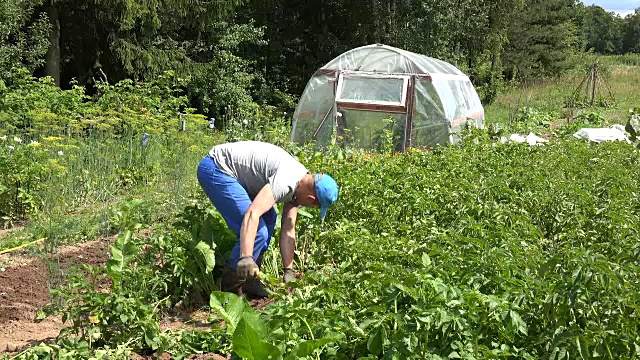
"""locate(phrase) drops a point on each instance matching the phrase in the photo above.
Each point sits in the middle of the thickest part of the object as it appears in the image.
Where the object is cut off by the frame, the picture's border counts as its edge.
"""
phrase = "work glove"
(289, 275)
(247, 267)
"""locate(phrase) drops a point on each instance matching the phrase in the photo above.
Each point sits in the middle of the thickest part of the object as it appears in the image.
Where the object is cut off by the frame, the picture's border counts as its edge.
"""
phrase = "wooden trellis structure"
(590, 91)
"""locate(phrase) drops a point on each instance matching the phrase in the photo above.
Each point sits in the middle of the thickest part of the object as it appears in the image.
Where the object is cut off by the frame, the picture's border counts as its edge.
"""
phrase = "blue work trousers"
(232, 201)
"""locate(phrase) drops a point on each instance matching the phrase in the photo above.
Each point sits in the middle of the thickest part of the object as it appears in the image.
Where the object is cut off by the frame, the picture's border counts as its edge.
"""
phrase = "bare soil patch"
(24, 290)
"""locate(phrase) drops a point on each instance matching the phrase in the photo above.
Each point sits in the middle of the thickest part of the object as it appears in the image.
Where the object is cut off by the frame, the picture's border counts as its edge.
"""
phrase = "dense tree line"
(240, 52)
(606, 33)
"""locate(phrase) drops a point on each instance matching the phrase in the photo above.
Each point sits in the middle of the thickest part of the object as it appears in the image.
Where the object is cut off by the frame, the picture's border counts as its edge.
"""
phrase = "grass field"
(622, 78)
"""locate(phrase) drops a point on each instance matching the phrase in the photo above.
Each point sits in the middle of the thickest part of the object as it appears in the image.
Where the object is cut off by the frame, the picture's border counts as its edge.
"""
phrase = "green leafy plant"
(258, 123)
(101, 318)
(388, 140)
(27, 165)
(633, 126)
(531, 119)
(590, 118)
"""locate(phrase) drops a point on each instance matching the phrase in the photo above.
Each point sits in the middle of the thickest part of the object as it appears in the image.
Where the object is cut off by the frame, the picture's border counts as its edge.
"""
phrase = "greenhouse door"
(372, 109)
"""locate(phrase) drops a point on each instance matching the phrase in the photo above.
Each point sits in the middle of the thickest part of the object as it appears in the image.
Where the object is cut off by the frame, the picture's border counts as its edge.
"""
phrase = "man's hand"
(289, 275)
(247, 267)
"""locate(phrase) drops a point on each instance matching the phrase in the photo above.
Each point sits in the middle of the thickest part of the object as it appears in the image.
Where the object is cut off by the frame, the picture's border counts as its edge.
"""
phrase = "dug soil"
(24, 290)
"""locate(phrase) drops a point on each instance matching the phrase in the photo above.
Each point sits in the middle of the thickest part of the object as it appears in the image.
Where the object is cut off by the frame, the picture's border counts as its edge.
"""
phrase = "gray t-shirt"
(256, 164)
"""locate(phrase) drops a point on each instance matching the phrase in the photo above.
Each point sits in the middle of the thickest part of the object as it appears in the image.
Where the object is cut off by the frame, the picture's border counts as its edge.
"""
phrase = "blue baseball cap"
(326, 191)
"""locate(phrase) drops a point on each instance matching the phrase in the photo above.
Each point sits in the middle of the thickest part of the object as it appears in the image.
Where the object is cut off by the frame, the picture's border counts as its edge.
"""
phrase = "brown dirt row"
(24, 290)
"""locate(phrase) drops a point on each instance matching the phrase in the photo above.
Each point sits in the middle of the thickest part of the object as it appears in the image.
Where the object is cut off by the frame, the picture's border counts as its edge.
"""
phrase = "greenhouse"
(379, 93)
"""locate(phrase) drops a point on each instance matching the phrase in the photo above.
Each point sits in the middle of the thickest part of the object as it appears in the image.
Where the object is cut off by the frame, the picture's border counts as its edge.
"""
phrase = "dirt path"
(24, 289)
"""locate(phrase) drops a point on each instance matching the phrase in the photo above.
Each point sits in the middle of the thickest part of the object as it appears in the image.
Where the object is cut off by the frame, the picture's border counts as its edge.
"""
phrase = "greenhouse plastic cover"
(443, 97)
(387, 59)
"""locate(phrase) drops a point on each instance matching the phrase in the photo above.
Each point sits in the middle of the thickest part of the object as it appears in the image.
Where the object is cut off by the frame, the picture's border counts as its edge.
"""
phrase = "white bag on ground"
(601, 134)
(531, 139)
(517, 138)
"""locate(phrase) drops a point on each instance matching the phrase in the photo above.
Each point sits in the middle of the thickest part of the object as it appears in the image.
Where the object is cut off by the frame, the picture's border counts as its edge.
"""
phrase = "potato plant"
(476, 251)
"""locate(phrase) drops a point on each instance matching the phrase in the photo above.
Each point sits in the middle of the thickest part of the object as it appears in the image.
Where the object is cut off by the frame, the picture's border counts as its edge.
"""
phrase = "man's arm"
(262, 203)
(288, 235)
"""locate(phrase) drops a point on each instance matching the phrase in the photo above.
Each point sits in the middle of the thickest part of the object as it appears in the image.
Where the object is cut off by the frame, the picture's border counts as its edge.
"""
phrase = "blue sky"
(622, 7)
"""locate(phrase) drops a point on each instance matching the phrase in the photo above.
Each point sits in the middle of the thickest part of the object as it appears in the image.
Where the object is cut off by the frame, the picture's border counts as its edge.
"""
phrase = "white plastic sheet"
(531, 139)
(602, 134)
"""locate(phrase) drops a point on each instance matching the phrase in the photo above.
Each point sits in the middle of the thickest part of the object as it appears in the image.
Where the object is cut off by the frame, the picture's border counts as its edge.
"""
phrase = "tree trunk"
(52, 64)
(490, 94)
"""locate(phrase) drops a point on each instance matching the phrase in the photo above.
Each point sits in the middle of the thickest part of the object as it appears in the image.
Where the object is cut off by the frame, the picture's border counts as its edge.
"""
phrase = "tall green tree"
(146, 37)
(601, 30)
(542, 38)
(482, 35)
(24, 35)
(631, 33)
(303, 37)
(109, 40)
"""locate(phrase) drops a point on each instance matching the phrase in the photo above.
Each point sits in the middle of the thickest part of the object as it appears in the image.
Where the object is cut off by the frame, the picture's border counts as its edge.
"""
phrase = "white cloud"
(624, 12)
(620, 7)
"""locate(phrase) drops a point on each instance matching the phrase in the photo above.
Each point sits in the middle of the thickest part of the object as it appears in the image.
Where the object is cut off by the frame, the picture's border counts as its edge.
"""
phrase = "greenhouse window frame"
(373, 105)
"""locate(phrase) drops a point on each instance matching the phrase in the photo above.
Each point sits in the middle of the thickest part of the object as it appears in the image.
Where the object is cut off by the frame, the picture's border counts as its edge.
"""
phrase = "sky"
(620, 7)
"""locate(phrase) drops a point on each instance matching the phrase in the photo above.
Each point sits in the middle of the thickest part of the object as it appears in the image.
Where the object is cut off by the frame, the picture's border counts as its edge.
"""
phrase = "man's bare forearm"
(287, 249)
(261, 204)
(288, 235)
(248, 233)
